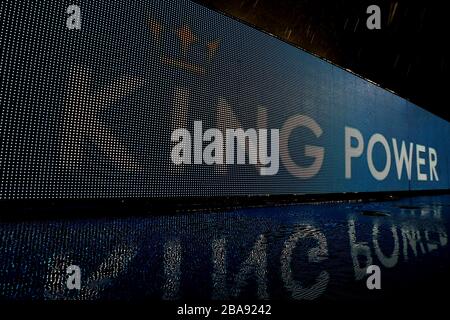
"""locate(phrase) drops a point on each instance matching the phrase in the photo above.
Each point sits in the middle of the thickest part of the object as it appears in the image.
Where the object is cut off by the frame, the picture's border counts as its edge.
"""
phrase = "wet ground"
(298, 252)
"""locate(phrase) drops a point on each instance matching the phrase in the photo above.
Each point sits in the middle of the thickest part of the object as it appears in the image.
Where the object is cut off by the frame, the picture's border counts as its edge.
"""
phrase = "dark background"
(409, 55)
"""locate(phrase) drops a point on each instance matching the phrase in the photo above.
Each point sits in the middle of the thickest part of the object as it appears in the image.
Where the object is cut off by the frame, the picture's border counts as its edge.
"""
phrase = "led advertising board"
(118, 99)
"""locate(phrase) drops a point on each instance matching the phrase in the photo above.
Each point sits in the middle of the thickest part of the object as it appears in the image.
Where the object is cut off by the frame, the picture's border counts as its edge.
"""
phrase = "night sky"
(409, 55)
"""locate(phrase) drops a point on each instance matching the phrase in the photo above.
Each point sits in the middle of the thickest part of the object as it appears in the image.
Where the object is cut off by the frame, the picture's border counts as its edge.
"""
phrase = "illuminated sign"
(168, 98)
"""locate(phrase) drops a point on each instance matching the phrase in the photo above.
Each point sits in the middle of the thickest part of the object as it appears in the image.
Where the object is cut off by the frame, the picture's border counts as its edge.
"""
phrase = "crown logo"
(187, 40)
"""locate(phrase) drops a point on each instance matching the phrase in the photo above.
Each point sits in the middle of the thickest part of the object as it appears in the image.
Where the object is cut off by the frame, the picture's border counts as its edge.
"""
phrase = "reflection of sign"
(280, 255)
(414, 237)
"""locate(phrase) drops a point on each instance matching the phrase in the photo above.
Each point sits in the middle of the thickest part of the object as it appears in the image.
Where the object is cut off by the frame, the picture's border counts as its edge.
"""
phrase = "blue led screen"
(169, 98)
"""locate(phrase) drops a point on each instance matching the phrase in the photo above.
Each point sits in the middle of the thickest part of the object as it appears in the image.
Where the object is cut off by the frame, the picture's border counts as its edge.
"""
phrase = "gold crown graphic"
(187, 38)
